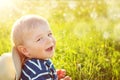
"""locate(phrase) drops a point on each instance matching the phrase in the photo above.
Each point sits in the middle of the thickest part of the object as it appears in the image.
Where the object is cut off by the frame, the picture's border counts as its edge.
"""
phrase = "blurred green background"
(87, 34)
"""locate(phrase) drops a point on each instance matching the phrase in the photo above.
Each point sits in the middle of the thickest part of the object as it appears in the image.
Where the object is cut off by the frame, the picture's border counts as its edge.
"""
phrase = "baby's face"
(40, 43)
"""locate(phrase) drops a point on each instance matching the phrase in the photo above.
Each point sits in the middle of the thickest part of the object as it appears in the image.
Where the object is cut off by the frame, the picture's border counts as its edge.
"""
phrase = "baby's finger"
(63, 71)
(67, 78)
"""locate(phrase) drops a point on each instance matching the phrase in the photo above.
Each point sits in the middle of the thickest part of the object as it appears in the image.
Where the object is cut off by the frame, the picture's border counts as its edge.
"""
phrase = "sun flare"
(5, 4)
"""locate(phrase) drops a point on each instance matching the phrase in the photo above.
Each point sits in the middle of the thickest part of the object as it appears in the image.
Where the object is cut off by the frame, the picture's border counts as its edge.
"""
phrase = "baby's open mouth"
(50, 48)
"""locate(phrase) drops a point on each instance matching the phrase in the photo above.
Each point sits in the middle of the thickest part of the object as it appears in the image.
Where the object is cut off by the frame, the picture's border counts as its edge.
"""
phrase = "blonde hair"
(21, 28)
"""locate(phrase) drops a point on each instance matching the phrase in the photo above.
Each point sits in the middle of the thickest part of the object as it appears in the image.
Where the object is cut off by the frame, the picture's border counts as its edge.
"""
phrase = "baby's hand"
(62, 75)
(66, 78)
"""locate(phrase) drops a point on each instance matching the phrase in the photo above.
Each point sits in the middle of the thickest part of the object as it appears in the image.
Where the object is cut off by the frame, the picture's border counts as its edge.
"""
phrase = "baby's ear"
(23, 50)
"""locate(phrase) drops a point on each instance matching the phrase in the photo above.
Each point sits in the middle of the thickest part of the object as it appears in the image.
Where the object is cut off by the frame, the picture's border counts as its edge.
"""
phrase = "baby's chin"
(48, 56)
(51, 55)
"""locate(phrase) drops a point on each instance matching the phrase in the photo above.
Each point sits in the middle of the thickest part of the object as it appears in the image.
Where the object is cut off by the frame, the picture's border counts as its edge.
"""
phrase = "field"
(87, 34)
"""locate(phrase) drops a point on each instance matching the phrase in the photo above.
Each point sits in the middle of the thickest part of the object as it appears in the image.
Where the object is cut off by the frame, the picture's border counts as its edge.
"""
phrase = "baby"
(33, 46)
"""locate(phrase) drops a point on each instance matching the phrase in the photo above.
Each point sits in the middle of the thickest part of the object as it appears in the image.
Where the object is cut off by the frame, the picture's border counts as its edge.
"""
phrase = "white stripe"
(26, 74)
(45, 66)
(51, 65)
(39, 65)
(30, 69)
(45, 73)
(50, 79)
(34, 64)
(55, 73)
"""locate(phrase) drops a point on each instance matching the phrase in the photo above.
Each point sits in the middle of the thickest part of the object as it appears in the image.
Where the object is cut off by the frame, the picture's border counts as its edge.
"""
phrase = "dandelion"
(106, 35)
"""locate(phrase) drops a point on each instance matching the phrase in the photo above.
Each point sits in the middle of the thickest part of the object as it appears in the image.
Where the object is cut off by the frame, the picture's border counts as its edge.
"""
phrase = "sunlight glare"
(72, 5)
(5, 4)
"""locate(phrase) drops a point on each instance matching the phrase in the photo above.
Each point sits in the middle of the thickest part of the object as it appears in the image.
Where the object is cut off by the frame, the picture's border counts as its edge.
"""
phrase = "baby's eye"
(39, 39)
(49, 34)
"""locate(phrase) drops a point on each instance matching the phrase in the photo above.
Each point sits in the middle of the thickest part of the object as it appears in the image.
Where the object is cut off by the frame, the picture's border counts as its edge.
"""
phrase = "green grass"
(87, 47)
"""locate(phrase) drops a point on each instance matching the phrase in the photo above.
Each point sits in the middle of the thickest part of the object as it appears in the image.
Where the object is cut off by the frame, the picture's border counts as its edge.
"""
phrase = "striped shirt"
(36, 69)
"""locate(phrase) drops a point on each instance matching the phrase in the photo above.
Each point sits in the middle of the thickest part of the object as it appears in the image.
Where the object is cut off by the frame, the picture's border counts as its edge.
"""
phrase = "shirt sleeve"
(34, 70)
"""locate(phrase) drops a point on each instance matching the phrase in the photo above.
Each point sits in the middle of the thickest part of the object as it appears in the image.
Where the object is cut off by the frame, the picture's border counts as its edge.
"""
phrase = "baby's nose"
(49, 40)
